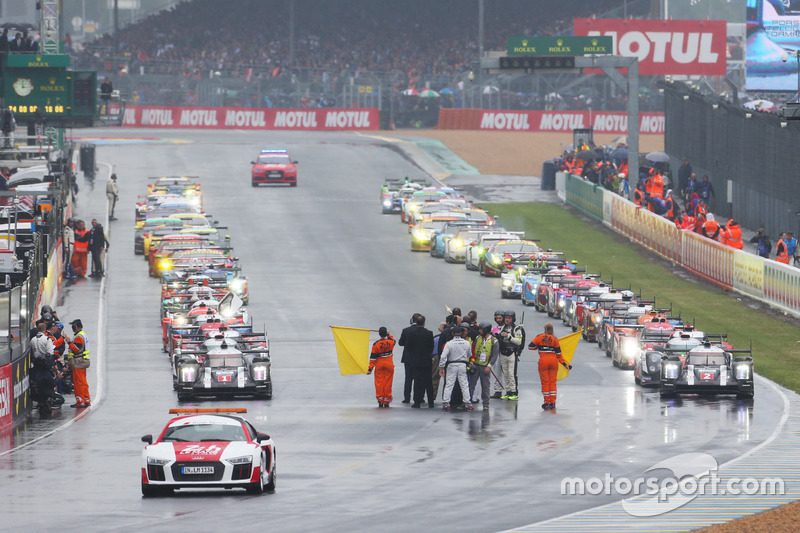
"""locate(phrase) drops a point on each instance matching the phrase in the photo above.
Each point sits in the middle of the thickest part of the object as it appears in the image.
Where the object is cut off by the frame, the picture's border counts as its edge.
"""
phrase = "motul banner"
(665, 47)
(552, 121)
(250, 119)
(6, 397)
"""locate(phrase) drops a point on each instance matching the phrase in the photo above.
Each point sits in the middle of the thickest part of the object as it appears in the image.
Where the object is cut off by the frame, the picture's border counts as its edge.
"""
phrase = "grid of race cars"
(635, 334)
(213, 349)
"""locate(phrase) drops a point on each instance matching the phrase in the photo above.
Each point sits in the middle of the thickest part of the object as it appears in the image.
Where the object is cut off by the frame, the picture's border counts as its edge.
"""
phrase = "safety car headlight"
(741, 371)
(260, 372)
(156, 461)
(240, 460)
(188, 373)
(671, 370)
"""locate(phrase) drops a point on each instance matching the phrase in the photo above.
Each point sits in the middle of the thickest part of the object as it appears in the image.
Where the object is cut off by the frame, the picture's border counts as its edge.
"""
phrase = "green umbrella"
(428, 93)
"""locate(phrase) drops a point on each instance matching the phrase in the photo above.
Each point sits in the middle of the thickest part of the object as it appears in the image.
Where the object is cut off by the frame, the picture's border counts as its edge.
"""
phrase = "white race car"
(455, 249)
(477, 248)
(208, 448)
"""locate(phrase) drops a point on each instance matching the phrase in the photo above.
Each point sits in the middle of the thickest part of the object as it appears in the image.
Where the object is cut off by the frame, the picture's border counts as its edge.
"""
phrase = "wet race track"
(317, 255)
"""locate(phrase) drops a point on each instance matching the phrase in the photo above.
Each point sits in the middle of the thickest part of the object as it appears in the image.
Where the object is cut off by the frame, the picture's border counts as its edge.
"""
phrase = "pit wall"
(766, 280)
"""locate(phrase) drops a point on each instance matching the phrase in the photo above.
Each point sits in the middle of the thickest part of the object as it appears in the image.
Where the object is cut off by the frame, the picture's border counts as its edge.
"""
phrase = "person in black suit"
(419, 343)
(409, 378)
(18, 44)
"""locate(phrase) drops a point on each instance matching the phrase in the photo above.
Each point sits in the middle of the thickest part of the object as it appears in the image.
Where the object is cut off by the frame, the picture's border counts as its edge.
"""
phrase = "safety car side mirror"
(148, 439)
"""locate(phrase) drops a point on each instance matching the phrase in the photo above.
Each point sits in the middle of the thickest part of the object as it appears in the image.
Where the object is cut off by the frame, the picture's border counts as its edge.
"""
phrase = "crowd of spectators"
(412, 42)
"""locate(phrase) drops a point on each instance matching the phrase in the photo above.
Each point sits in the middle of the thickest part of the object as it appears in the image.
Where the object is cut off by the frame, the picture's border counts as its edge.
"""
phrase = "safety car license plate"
(274, 174)
(197, 470)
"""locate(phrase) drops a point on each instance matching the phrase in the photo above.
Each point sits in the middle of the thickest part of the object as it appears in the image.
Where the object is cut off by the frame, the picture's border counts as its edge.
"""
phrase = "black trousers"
(423, 384)
(97, 262)
(408, 382)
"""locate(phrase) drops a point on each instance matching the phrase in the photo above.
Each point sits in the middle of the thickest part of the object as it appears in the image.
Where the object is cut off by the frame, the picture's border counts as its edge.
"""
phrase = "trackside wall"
(615, 122)
(317, 119)
(763, 279)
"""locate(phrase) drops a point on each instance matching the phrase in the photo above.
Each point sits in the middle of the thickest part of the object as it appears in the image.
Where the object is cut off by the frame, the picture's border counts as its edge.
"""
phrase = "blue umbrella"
(447, 90)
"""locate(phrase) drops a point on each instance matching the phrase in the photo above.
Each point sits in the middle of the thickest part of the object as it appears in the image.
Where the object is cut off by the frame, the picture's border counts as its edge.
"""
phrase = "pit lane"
(322, 254)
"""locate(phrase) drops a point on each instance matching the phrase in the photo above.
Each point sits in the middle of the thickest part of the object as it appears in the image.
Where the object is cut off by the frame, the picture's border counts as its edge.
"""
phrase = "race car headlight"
(419, 235)
(652, 368)
(495, 259)
(260, 372)
(165, 265)
(508, 282)
(741, 371)
(387, 203)
(458, 243)
(155, 461)
(195, 202)
(180, 320)
(562, 303)
(629, 351)
(240, 460)
(188, 373)
(671, 370)
(237, 286)
(413, 207)
(597, 319)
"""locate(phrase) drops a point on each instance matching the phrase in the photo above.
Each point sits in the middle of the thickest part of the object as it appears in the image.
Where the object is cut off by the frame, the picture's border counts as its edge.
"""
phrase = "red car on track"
(274, 166)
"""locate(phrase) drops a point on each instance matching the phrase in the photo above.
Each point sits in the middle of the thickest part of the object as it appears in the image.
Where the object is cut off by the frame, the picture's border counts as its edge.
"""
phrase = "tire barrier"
(765, 280)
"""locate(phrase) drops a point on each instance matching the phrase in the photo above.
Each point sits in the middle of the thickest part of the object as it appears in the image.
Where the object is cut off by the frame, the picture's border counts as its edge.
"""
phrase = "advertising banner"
(772, 27)
(665, 47)
(614, 122)
(6, 397)
(251, 119)
(650, 230)
(748, 273)
(782, 285)
(21, 379)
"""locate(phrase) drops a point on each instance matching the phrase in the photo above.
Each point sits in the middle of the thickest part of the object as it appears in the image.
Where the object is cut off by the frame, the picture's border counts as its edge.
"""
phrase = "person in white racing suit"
(453, 365)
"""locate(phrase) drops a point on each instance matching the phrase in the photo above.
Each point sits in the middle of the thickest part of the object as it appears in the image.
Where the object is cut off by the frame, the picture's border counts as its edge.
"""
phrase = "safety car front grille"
(178, 475)
(156, 473)
(242, 471)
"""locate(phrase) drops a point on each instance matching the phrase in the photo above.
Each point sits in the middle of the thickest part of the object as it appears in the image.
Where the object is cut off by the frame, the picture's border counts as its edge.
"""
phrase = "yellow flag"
(568, 346)
(352, 347)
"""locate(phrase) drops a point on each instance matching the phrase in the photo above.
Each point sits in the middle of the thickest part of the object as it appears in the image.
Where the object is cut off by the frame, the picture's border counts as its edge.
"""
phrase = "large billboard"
(773, 27)
(665, 47)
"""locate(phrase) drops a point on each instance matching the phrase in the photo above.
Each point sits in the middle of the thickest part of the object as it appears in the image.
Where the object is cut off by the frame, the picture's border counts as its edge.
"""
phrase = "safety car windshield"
(204, 433)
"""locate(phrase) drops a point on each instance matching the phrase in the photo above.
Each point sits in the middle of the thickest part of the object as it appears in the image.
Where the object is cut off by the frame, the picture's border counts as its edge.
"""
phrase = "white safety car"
(208, 448)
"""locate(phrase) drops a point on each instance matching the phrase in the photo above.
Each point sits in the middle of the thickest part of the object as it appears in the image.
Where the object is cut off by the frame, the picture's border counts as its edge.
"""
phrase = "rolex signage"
(559, 46)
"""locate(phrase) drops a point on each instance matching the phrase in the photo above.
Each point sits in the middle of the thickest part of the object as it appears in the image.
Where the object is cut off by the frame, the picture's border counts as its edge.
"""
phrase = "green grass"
(774, 338)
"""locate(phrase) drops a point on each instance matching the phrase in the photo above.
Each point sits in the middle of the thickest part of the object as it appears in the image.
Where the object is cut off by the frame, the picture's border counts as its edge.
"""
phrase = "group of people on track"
(59, 362)
(464, 353)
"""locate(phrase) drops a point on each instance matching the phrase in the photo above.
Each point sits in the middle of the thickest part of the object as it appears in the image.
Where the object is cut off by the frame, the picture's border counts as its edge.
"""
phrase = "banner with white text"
(615, 122)
(250, 119)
